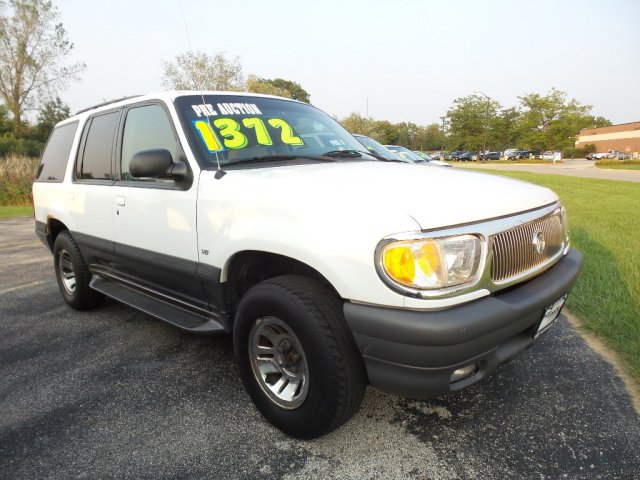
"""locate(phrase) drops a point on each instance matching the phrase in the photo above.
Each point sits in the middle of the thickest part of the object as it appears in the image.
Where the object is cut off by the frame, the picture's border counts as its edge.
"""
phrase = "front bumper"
(414, 353)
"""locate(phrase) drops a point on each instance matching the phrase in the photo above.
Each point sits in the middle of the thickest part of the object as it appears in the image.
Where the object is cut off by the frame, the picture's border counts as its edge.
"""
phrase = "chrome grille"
(518, 251)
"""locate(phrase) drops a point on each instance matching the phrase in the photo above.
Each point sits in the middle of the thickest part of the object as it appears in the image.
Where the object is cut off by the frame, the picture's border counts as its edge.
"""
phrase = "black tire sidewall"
(316, 414)
(83, 297)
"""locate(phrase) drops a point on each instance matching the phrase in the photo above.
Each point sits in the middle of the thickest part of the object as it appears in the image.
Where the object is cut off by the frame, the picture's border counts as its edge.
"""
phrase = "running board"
(163, 310)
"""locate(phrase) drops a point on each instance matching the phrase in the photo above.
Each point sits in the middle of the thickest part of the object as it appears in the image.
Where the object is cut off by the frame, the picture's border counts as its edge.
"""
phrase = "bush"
(572, 152)
(27, 147)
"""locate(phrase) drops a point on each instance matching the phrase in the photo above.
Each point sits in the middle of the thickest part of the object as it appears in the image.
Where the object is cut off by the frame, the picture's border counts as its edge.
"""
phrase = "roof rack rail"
(106, 103)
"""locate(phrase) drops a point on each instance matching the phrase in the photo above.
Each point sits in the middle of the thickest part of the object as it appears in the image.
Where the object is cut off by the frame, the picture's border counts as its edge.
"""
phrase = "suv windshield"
(405, 153)
(244, 128)
(376, 148)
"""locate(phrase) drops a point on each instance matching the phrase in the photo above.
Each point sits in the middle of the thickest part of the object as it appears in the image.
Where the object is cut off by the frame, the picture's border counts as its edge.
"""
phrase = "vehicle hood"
(386, 194)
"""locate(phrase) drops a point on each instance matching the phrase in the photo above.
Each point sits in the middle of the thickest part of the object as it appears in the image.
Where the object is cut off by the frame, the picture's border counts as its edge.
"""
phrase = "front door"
(155, 219)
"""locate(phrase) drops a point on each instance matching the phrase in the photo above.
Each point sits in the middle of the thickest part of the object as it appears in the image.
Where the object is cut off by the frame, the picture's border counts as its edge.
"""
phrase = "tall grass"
(16, 176)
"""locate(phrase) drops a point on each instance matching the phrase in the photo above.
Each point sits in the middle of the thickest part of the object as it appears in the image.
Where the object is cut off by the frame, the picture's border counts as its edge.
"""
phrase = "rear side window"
(94, 163)
(54, 158)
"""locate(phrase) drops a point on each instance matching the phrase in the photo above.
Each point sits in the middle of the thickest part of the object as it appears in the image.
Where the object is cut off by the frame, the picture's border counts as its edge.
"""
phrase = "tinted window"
(56, 154)
(96, 158)
(146, 128)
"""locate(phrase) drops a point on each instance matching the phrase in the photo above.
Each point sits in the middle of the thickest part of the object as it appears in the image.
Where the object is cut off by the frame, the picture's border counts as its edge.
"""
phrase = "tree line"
(478, 123)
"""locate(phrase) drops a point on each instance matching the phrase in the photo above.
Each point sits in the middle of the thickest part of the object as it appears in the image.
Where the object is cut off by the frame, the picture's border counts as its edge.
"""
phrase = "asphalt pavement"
(113, 393)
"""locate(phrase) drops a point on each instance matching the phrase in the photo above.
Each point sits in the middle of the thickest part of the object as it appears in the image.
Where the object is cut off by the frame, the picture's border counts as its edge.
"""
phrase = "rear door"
(90, 204)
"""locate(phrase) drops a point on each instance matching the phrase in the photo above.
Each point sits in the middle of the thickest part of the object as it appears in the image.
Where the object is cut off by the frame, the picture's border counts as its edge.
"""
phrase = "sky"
(402, 60)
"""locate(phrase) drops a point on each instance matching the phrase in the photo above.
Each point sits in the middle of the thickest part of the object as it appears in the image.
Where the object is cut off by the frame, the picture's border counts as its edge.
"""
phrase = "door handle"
(120, 201)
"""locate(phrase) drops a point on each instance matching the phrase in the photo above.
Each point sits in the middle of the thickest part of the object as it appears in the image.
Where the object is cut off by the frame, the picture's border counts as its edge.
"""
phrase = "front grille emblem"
(538, 241)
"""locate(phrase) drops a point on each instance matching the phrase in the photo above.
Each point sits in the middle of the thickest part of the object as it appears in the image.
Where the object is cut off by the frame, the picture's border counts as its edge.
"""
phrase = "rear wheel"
(72, 274)
(297, 358)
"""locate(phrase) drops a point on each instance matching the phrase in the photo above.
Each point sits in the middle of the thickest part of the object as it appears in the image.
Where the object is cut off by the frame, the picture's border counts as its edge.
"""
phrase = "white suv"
(262, 217)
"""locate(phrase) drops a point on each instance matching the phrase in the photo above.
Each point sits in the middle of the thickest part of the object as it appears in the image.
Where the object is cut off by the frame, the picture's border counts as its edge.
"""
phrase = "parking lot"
(113, 393)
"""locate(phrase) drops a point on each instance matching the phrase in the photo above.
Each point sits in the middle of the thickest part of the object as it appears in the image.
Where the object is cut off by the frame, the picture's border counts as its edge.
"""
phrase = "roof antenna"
(219, 172)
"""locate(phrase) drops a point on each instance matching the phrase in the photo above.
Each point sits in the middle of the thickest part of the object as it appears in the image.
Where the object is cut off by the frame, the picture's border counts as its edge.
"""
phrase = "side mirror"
(156, 163)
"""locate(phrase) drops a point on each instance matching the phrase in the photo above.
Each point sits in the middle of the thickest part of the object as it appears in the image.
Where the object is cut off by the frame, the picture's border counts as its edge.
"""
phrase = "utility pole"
(443, 135)
(486, 123)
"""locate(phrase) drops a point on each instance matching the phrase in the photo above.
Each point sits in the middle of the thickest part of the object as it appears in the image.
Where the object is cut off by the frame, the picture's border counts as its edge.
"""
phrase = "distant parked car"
(552, 156)
(431, 159)
(490, 156)
(467, 156)
(510, 153)
(453, 155)
(407, 154)
(618, 155)
(377, 149)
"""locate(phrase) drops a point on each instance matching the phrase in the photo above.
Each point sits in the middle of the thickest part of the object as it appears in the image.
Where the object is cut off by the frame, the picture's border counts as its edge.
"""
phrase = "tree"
(356, 123)
(504, 130)
(600, 122)
(277, 86)
(470, 120)
(33, 50)
(552, 121)
(407, 133)
(5, 125)
(294, 89)
(256, 84)
(430, 137)
(201, 71)
(52, 112)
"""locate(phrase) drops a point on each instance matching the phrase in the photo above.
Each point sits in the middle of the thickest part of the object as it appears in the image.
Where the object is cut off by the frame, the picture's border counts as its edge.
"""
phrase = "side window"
(145, 128)
(95, 162)
(54, 158)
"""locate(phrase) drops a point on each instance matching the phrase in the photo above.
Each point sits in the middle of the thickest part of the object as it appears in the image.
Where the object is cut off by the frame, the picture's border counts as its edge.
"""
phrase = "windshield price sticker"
(207, 109)
(226, 133)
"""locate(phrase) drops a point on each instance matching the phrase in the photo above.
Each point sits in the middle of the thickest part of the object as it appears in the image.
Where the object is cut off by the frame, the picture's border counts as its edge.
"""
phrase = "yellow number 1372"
(233, 138)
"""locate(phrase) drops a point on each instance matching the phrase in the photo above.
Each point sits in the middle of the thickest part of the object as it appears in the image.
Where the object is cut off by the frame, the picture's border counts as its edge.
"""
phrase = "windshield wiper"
(345, 153)
(271, 158)
(359, 153)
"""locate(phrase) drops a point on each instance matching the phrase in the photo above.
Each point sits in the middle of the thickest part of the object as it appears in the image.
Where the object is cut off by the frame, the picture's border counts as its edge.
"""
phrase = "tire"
(297, 358)
(72, 274)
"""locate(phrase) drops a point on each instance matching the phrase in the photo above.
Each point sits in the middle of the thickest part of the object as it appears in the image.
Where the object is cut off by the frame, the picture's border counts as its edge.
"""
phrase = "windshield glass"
(405, 153)
(376, 148)
(238, 128)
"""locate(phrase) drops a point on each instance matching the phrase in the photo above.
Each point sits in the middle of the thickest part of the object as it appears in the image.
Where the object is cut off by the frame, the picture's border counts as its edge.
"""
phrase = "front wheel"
(297, 358)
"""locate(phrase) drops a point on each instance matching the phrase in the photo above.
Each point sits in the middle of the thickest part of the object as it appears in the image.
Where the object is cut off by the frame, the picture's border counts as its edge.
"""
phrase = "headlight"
(432, 263)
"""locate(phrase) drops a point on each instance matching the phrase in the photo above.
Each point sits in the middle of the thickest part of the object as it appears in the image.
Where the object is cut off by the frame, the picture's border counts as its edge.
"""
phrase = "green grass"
(19, 211)
(604, 224)
(620, 166)
(630, 164)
